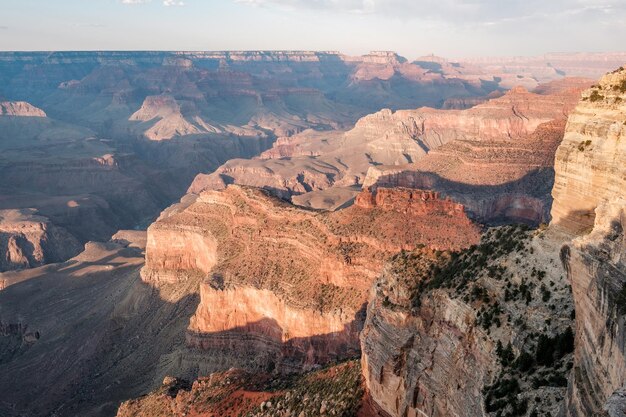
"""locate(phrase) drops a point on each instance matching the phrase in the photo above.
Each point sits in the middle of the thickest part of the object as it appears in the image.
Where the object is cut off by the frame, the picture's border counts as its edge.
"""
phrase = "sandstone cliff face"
(28, 240)
(590, 162)
(597, 269)
(589, 202)
(283, 288)
(465, 334)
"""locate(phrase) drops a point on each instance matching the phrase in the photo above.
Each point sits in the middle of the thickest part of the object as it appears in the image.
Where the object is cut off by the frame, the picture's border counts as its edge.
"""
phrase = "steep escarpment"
(281, 287)
(589, 203)
(483, 332)
(597, 270)
(28, 240)
(590, 162)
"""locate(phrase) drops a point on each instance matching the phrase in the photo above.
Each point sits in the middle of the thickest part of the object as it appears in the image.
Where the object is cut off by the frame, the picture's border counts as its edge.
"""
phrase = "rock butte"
(284, 287)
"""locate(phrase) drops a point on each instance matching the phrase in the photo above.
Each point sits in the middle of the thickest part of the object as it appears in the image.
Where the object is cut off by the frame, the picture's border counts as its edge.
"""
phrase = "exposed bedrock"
(28, 240)
(591, 161)
(590, 203)
(284, 287)
(596, 265)
(444, 332)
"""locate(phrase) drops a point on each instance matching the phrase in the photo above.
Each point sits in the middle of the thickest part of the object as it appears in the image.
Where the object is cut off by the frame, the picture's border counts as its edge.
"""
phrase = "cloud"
(89, 25)
(459, 12)
(4, 27)
(166, 3)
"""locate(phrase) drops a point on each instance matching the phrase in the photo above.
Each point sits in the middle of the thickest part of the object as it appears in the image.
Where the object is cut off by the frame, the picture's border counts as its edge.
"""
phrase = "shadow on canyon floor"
(86, 338)
(526, 200)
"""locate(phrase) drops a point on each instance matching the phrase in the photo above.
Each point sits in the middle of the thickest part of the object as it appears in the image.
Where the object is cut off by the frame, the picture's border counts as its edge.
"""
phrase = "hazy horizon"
(451, 28)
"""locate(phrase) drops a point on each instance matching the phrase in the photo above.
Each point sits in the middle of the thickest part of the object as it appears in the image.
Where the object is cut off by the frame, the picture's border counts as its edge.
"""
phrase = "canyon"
(495, 158)
(297, 251)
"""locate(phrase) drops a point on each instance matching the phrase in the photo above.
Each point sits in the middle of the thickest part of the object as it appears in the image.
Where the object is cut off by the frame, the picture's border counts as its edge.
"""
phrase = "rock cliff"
(590, 162)
(28, 240)
(472, 333)
(589, 203)
(283, 288)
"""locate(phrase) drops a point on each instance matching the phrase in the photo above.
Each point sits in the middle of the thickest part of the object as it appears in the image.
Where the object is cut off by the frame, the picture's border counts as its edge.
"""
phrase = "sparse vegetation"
(582, 146)
(595, 96)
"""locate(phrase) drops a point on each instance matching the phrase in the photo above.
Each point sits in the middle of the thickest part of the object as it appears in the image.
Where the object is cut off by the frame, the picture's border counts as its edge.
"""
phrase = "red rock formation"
(412, 201)
(284, 287)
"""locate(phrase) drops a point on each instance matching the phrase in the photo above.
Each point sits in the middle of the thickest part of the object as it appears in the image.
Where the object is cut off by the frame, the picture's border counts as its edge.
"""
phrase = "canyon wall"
(591, 159)
(589, 203)
(284, 288)
(495, 158)
(462, 334)
(28, 240)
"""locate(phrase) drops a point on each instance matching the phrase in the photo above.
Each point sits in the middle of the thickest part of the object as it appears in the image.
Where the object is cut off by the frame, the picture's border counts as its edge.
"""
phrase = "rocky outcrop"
(415, 202)
(283, 288)
(589, 203)
(597, 270)
(590, 162)
(28, 240)
(466, 334)
(168, 121)
(336, 390)
(20, 108)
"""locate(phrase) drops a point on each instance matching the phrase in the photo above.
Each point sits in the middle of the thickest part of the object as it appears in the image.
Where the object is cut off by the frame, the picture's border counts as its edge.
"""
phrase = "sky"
(450, 28)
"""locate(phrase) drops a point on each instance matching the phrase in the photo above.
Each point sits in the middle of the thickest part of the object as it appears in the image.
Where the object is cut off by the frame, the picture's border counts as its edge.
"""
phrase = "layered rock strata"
(283, 287)
(496, 143)
(589, 202)
(590, 162)
(28, 240)
(466, 334)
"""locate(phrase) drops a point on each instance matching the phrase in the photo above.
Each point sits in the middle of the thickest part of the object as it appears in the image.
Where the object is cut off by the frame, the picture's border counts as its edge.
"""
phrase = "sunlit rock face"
(20, 109)
(591, 161)
(589, 203)
(284, 288)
